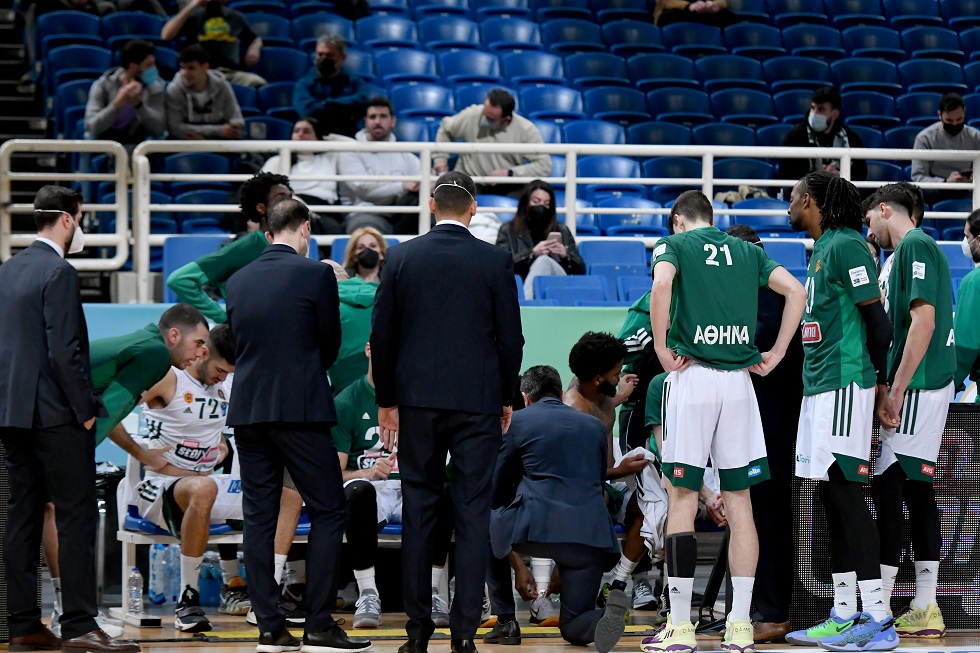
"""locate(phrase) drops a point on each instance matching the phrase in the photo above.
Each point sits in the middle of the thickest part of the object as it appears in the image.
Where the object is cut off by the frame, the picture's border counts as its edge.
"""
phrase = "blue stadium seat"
(390, 8)
(596, 69)
(197, 226)
(632, 287)
(693, 39)
(262, 128)
(618, 167)
(682, 105)
(422, 100)
(972, 102)
(166, 60)
(794, 12)
(775, 225)
(845, 13)
(629, 37)
(360, 62)
(721, 71)
(406, 65)
(425, 9)
(961, 14)
(504, 207)
(738, 168)
(772, 135)
(545, 10)
(580, 296)
(871, 109)
(912, 13)
(72, 94)
(931, 75)
(743, 107)
(792, 106)
(607, 11)
(647, 220)
(250, 7)
(449, 33)
(785, 73)
(206, 196)
(594, 131)
(658, 133)
(274, 30)
(300, 9)
(865, 74)
(901, 138)
(510, 34)
(532, 68)
(869, 136)
(468, 66)
(959, 206)
(572, 35)
(723, 133)
(539, 302)
(790, 254)
(121, 26)
(959, 265)
(486, 9)
(550, 130)
(616, 252)
(468, 94)
(552, 103)
(622, 105)
(611, 272)
(386, 31)
(750, 10)
(106, 218)
(873, 42)
(932, 43)
(307, 29)
(953, 233)
(72, 62)
(885, 172)
(282, 64)
(248, 97)
(411, 130)
(181, 250)
(59, 28)
(754, 40)
(918, 109)
(671, 167)
(276, 95)
(196, 163)
(660, 70)
(818, 41)
(571, 288)
(970, 40)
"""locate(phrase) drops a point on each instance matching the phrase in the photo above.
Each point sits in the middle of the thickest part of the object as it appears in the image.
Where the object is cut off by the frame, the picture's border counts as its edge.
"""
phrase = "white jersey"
(191, 424)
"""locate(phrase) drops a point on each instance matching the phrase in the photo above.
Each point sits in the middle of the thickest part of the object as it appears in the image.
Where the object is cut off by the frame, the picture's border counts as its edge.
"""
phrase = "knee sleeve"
(887, 493)
(858, 529)
(682, 555)
(923, 519)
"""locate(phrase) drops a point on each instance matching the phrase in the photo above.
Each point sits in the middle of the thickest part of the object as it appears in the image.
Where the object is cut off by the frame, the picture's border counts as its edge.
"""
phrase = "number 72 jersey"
(192, 423)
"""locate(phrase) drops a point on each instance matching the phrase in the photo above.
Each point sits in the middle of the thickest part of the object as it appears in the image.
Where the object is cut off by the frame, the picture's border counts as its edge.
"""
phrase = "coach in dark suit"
(547, 498)
(446, 346)
(47, 413)
(285, 314)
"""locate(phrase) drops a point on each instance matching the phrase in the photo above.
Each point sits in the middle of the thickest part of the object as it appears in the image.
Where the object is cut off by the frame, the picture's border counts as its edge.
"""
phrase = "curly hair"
(838, 200)
(256, 191)
(594, 354)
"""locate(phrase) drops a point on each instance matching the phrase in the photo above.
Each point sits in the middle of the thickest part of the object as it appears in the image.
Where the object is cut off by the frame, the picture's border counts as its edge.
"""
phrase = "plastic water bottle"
(159, 567)
(135, 602)
(174, 587)
(210, 579)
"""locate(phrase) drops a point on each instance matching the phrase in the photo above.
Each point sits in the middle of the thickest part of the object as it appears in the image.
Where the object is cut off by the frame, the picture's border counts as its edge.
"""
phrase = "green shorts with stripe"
(835, 426)
(915, 443)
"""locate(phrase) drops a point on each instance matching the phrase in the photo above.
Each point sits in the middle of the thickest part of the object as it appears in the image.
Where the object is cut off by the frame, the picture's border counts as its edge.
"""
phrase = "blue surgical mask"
(818, 121)
(150, 76)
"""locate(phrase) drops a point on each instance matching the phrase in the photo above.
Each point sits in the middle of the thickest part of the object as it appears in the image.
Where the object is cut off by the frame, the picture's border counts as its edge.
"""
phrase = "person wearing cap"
(446, 390)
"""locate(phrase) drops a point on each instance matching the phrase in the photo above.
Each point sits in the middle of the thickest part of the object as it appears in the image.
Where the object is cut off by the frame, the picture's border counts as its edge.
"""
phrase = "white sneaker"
(440, 611)
(543, 612)
(55, 626)
(643, 596)
(368, 613)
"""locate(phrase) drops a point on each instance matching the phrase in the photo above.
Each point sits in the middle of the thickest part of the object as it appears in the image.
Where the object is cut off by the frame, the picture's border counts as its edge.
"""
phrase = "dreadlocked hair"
(838, 199)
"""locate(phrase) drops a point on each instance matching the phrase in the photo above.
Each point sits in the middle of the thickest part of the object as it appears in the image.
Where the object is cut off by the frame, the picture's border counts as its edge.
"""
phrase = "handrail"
(119, 239)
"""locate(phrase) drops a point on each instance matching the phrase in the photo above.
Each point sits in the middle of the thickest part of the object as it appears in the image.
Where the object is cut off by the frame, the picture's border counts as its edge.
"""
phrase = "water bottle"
(210, 579)
(135, 603)
(159, 566)
(174, 588)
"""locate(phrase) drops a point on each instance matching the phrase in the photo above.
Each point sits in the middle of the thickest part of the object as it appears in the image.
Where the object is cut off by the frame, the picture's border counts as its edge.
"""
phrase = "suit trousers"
(473, 440)
(305, 450)
(58, 465)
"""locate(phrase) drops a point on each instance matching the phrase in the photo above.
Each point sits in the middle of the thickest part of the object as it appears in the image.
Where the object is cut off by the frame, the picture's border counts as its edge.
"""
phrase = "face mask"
(368, 259)
(77, 241)
(967, 248)
(213, 8)
(818, 121)
(537, 215)
(150, 76)
(327, 67)
(952, 130)
(607, 389)
(486, 123)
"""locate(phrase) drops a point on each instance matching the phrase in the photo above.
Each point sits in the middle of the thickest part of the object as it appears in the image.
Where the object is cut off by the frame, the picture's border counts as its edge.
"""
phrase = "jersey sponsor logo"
(859, 276)
(811, 332)
(754, 471)
(188, 398)
(862, 470)
(235, 487)
(221, 394)
(657, 251)
(928, 470)
(803, 460)
(192, 451)
(726, 334)
(817, 269)
(918, 270)
(678, 472)
(188, 410)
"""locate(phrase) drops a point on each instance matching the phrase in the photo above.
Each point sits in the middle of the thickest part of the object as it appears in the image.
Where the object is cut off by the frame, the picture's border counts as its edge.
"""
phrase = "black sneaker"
(334, 640)
(277, 642)
(189, 617)
(291, 603)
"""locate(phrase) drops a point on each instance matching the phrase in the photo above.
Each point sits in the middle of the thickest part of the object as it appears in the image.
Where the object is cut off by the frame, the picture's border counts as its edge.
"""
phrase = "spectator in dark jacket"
(329, 94)
(823, 126)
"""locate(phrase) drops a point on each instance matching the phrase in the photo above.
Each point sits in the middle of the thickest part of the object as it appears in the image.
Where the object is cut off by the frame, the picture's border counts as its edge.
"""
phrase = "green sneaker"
(832, 627)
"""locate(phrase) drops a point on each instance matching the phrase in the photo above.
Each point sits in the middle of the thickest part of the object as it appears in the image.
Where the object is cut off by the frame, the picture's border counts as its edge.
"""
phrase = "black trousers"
(306, 451)
(425, 436)
(361, 525)
(55, 464)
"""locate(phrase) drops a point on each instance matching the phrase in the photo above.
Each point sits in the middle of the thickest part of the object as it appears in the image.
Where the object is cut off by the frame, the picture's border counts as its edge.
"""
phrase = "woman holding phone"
(539, 244)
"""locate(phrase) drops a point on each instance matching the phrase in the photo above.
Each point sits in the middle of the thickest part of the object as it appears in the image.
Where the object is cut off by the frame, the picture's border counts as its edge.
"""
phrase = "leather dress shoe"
(98, 642)
(277, 642)
(414, 646)
(462, 646)
(508, 633)
(41, 639)
(333, 640)
(770, 631)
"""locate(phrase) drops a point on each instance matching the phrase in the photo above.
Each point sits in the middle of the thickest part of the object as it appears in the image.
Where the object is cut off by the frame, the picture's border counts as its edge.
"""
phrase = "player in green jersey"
(845, 342)
(912, 408)
(703, 310)
(968, 307)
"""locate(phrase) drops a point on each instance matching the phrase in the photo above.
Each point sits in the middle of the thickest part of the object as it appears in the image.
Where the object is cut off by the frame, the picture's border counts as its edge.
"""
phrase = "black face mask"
(326, 67)
(607, 389)
(368, 259)
(953, 130)
(213, 8)
(538, 216)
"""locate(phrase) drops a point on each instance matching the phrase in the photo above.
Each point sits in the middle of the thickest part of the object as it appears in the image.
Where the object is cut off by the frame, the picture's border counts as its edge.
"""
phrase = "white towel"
(652, 501)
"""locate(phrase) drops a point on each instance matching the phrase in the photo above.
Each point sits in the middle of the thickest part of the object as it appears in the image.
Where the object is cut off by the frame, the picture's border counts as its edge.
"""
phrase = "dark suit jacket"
(45, 376)
(548, 482)
(446, 330)
(285, 315)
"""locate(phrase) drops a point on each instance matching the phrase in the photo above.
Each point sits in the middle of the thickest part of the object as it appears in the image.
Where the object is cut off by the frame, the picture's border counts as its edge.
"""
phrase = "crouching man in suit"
(547, 500)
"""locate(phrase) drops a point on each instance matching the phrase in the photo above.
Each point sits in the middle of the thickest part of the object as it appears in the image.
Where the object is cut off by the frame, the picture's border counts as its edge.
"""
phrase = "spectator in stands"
(200, 102)
(222, 32)
(950, 133)
(822, 127)
(493, 122)
(127, 104)
(378, 124)
(540, 245)
(706, 12)
(326, 92)
(365, 254)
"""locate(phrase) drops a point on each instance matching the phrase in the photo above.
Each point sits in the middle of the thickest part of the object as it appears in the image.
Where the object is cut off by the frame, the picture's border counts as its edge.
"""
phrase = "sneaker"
(916, 622)
(612, 624)
(487, 619)
(643, 596)
(234, 598)
(294, 593)
(111, 627)
(294, 616)
(600, 601)
(291, 602)
(55, 626)
(277, 643)
(832, 627)
(543, 612)
(865, 635)
(440, 611)
(739, 636)
(347, 596)
(675, 639)
(368, 612)
(189, 617)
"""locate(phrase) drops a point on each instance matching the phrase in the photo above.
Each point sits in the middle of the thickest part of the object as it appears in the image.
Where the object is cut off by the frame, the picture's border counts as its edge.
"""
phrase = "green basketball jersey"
(841, 274)
(920, 271)
(357, 433)
(715, 297)
(965, 327)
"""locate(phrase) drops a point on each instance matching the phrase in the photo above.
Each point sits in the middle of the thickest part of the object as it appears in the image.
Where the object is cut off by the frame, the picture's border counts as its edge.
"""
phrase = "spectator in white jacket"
(378, 124)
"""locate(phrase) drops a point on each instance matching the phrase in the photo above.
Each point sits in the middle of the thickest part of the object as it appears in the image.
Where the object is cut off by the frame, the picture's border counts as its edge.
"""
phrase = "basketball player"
(845, 341)
(703, 309)
(912, 407)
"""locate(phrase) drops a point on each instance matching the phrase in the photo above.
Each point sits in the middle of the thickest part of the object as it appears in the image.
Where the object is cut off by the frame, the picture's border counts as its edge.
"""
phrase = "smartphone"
(555, 236)
(967, 173)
